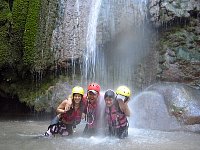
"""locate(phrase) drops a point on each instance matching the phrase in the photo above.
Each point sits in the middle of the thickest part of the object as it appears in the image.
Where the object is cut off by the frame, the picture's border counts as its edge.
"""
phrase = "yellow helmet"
(78, 90)
(124, 91)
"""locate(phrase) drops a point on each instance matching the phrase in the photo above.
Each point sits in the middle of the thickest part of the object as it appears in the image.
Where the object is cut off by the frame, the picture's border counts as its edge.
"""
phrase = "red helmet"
(94, 86)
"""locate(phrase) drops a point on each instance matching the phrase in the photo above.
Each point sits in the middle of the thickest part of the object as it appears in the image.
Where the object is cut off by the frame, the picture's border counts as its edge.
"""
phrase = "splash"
(168, 107)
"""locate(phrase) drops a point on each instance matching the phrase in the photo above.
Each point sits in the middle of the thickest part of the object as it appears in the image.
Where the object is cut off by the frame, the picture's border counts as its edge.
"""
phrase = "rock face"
(178, 23)
(69, 36)
(167, 106)
(179, 55)
(165, 11)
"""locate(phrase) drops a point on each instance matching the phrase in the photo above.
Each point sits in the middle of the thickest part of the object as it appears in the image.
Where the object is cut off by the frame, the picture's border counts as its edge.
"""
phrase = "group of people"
(79, 106)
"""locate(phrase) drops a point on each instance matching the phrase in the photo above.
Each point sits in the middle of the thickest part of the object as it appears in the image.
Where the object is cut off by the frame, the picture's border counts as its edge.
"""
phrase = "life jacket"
(72, 116)
(91, 114)
(115, 117)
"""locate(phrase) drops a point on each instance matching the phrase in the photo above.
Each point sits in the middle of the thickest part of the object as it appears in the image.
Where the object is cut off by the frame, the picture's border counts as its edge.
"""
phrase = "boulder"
(167, 106)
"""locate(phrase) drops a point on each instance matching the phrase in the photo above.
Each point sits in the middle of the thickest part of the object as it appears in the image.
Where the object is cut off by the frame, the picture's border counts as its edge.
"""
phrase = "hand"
(64, 111)
(126, 100)
(67, 107)
(69, 99)
(68, 103)
(83, 116)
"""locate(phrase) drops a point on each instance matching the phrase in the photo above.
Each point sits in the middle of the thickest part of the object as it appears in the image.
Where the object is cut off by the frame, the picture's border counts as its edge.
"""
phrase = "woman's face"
(109, 101)
(77, 98)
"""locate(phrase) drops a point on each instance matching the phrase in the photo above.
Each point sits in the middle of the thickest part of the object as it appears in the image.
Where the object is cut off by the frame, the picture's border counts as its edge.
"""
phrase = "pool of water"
(24, 135)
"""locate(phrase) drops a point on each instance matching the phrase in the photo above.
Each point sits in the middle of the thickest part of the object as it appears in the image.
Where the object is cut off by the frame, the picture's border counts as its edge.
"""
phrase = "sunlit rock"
(167, 106)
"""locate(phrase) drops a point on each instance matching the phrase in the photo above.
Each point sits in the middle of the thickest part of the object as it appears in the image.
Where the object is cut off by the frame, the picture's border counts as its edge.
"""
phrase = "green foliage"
(4, 34)
(46, 26)
(19, 15)
(30, 33)
(25, 40)
(4, 53)
(4, 10)
(36, 94)
(26, 34)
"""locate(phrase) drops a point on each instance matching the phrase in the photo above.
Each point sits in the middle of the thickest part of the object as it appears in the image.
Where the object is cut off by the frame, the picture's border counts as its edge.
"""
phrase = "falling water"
(117, 42)
(90, 54)
(111, 36)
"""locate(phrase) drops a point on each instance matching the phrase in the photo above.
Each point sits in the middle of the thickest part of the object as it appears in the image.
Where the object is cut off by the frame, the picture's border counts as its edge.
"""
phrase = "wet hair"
(109, 93)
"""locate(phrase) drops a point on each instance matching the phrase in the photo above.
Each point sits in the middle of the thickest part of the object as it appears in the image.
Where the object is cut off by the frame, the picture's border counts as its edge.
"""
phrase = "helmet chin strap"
(121, 97)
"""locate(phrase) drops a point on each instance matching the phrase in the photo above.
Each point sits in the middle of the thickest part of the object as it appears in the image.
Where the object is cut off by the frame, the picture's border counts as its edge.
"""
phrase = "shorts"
(61, 128)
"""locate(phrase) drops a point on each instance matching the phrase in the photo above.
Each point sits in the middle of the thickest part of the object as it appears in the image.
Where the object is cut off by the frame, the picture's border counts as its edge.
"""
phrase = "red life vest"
(91, 110)
(72, 116)
(115, 117)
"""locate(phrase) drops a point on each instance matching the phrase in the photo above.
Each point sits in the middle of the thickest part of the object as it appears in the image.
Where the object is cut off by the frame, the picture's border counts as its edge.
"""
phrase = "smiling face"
(77, 98)
(109, 101)
(92, 97)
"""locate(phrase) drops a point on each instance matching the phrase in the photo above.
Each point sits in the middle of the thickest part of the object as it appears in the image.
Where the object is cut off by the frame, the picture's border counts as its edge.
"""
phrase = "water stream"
(90, 53)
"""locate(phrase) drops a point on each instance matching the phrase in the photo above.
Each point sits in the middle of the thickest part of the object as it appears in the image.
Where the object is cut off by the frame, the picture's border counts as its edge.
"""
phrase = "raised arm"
(124, 107)
(126, 110)
(63, 107)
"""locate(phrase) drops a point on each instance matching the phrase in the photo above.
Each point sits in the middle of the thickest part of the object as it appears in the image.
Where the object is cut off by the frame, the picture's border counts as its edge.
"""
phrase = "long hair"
(80, 104)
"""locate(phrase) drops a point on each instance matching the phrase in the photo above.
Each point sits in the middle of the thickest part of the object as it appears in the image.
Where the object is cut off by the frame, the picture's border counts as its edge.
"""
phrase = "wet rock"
(182, 99)
(168, 106)
(168, 11)
(171, 60)
(180, 48)
(161, 60)
(159, 71)
(171, 53)
(191, 46)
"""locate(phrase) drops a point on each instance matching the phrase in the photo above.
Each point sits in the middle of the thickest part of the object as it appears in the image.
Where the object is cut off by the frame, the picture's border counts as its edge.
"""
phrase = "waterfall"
(111, 36)
(116, 42)
(90, 53)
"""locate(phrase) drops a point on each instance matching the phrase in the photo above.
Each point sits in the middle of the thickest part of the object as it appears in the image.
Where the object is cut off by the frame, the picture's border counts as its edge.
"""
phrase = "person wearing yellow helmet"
(117, 111)
(69, 114)
(123, 96)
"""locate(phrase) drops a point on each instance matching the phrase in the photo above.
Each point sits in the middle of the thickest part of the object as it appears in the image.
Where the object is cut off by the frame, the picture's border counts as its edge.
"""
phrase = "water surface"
(24, 135)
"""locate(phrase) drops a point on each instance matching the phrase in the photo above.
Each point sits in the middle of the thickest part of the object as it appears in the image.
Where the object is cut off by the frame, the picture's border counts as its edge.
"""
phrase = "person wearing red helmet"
(91, 112)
